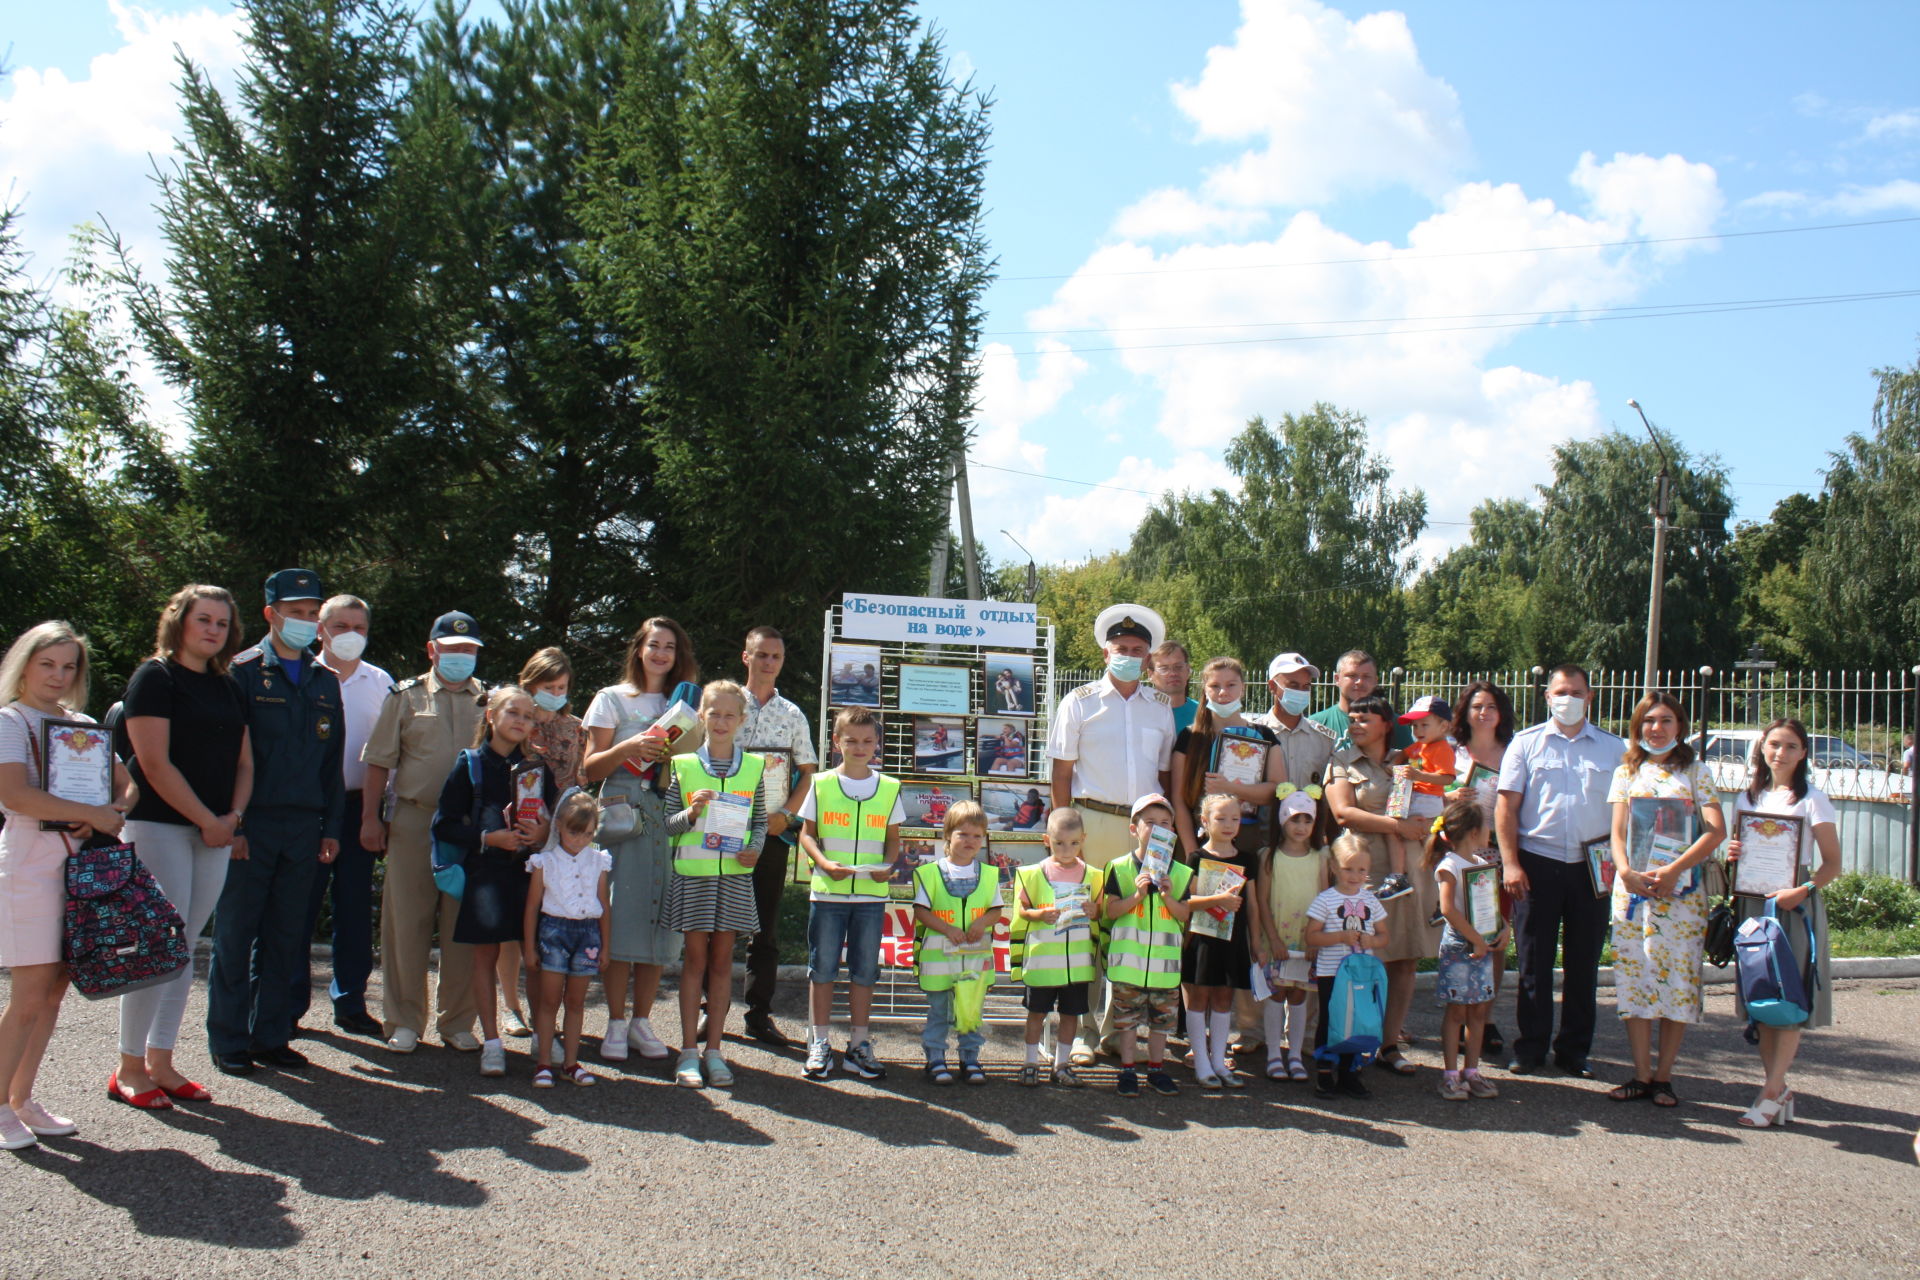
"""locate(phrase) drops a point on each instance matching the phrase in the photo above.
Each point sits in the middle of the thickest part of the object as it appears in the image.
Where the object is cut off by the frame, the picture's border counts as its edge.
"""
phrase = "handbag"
(1722, 924)
(122, 933)
(449, 860)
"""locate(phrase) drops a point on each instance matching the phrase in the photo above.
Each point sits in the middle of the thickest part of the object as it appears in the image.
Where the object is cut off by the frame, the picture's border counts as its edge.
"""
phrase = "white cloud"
(1902, 195)
(1064, 527)
(1171, 213)
(1894, 124)
(1657, 198)
(1335, 105)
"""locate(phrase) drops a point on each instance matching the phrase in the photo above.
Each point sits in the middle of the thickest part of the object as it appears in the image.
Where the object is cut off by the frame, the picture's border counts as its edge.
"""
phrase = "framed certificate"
(776, 778)
(1659, 830)
(76, 764)
(1481, 886)
(1240, 757)
(1599, 855)
(1769, 853)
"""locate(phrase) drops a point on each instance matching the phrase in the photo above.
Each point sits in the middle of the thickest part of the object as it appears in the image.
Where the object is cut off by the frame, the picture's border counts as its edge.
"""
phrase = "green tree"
(1311, 554)
(1472, 611)
(785, 234)
(1589, 600)
(1862, 565)
(1773, 592)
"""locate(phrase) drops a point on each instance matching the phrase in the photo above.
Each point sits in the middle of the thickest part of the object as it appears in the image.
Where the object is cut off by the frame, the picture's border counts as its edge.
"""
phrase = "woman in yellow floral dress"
(1666, 821)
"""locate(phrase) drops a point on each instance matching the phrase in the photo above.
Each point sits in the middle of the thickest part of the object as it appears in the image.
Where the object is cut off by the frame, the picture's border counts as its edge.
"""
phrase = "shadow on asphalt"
(170, 1194)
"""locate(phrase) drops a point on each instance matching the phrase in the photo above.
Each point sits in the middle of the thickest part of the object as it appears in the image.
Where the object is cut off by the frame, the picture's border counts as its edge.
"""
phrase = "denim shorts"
(568, 946)
(857, 925)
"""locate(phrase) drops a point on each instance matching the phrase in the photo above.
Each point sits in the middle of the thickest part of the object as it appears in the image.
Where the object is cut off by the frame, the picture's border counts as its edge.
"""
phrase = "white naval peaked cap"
(1129, 619)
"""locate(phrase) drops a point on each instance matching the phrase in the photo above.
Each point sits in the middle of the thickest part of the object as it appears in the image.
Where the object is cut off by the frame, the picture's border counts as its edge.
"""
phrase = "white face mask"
(1568, 708)
(347, 646)
(1224, 709)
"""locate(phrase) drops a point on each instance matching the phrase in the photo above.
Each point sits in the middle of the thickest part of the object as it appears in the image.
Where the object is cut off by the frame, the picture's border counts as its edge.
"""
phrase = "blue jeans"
(857, 924)
(940, 1023)
(350, 878)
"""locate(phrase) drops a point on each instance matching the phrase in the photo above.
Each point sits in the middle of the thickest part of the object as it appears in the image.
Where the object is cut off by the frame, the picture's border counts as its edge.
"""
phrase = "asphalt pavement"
(374, 1164)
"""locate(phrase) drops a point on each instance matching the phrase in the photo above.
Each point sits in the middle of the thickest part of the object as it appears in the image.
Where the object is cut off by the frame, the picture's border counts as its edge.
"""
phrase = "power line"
(1121, 488)
(1571, 312)
(1408, 255)
(1761, 305)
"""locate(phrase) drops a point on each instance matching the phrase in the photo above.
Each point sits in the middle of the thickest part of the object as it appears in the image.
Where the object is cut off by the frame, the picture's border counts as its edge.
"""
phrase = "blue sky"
(1178, 180)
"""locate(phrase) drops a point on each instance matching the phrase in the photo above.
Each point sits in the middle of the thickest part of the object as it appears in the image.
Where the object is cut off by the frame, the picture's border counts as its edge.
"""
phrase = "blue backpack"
(1770, 983)
(1357, 1010)
(449, 860)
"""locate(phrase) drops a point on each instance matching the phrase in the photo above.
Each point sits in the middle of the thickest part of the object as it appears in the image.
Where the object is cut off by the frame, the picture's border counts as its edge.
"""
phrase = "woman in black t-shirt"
(187, 725)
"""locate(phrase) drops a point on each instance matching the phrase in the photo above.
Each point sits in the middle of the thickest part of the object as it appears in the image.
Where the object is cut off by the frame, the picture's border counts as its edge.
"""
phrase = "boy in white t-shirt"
(850, 830)
(1342, 920)
(567, 919)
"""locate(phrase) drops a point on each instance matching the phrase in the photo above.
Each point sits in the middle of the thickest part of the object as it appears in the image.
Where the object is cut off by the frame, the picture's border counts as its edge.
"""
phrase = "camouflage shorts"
(1151, 1010)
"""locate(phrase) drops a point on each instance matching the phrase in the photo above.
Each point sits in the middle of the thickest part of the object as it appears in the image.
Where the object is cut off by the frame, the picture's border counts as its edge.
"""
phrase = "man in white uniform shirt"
(1111, 743)
(363, 687)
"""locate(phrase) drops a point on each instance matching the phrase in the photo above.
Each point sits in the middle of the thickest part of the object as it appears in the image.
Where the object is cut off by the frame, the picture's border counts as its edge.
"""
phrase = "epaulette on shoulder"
(246, 655)
(1321, 727)
(1161, 698)
(1087, 690)
(403, 685)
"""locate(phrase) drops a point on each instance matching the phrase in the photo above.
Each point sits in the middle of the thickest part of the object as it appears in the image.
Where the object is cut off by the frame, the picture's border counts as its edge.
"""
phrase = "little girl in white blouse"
(567, 930)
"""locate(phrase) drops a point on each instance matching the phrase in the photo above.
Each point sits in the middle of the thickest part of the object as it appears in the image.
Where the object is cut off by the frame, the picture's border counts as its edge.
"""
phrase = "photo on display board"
(926, 803)
(1000, 747)
(939, 744)
(1014, 806)
(1011, 855)
(917, 849)
(853, 675)
(1009, 683)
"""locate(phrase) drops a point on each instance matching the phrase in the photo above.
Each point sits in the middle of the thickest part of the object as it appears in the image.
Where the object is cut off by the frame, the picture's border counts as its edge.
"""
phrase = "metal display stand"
(897, 996)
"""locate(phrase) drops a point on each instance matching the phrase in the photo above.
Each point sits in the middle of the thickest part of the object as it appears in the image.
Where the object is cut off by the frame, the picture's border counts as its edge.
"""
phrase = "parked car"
(1840, 769)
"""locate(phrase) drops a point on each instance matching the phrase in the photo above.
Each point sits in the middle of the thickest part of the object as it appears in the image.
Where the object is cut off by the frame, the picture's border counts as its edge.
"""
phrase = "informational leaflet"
(723, 826)
(1158, 859)
(1210, 879)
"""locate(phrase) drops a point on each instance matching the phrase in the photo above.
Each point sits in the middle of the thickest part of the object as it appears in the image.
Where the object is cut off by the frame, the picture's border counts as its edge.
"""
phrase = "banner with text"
(925, 620)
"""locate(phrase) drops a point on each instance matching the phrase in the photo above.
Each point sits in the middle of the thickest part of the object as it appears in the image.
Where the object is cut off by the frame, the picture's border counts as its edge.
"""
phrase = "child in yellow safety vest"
(850, 829)
(956, 903)
(1057, 923)
(1147, 918)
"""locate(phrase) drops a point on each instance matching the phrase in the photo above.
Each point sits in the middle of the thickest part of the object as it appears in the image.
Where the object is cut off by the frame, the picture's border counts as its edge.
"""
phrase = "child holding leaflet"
(850, 829)
(956, 904)
(1429, 764)
(1292, 875)
(716, 840)
(1464, 983)
(1054, 935)
(1343, 919)
(567, 928)
(1212, 967)
(1147, 912)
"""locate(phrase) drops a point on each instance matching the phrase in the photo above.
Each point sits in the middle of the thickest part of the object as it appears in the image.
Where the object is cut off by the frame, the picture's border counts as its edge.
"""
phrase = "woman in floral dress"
(1666, 821)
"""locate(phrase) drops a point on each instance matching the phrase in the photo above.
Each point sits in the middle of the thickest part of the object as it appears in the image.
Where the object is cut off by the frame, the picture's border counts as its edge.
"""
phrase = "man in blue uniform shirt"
(292, 824)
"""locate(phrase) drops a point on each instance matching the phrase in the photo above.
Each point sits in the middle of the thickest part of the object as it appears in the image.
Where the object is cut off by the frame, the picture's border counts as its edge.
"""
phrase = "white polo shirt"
(360, 697)
(1119, 746)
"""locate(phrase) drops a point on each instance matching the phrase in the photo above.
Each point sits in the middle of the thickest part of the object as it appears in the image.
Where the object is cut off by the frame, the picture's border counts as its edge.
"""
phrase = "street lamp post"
(1033, 574)
(1661, 511)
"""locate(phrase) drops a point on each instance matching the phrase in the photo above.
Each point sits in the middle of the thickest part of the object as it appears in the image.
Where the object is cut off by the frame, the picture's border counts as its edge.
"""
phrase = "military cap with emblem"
(294, 584)
(1129, 620)
(456, 626)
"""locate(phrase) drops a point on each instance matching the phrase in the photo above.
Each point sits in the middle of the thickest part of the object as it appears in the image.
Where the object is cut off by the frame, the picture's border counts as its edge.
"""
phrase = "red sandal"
(191, 1091)
(154, 1099)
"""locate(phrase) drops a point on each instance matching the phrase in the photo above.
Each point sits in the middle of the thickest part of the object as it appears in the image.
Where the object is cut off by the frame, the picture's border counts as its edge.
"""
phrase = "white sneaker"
(14, 1134)
(493, 1059)
(464, 1041)
(718, 1073)
(404, 1040)
(640, 1035)
(43, 1122)
(613, 1046)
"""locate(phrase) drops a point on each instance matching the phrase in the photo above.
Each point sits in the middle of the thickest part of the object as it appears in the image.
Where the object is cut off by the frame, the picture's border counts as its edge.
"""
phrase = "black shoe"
(1128, 1083)
(1353, 1086)
(1524, 1066)
(1491, 1041)
(235, 1064)
(358, 1024)
(1323, 1085)
(1575, 1067)
(286, 1058)
(761, 1027)
(299, 1031)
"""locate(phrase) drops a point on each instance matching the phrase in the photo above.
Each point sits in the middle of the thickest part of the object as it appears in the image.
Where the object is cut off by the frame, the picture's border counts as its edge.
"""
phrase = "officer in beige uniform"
(1110, 744)
(424, 724)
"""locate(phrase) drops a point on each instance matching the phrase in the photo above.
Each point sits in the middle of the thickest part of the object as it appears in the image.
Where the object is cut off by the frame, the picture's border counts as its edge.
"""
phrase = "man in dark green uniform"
(292, 825)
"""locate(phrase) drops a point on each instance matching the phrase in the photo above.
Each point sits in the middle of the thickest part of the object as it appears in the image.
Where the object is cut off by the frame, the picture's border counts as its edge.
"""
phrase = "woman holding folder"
(624, 751)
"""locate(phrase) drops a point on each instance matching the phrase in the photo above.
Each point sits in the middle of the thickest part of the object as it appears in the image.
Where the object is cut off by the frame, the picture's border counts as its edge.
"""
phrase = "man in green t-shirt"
(1355, 676)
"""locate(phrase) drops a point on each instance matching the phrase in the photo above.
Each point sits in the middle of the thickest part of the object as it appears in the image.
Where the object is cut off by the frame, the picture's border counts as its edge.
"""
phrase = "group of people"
(261, 784)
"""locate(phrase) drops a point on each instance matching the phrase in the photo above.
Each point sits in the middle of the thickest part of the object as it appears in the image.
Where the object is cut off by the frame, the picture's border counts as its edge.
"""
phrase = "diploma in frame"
(1599, 855)
(1482, 891)
(76, 764)
(1769, 853)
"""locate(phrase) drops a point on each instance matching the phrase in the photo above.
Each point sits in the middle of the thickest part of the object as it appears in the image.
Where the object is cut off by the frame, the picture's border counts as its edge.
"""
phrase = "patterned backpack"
(122, 933)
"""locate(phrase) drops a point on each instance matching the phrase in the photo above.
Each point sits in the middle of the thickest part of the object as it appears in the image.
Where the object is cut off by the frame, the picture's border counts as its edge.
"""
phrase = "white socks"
(1033, 1054)
(1274, 1016)
(1220, 1026)
(1197, 1038)
(1062, 1054)
(857, 1036)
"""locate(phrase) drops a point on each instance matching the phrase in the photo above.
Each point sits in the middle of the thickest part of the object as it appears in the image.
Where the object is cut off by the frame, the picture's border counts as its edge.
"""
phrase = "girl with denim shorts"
(567, 925)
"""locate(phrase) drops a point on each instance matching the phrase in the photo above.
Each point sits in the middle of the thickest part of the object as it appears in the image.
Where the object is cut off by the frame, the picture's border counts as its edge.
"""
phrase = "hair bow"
(1438, 823)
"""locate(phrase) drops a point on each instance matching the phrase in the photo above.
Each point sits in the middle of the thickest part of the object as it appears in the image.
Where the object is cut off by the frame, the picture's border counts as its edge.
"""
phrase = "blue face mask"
(1652, 750)
(549, 701)
(298, 633)
(1294, 701)
(1123, 668)
(455, 667)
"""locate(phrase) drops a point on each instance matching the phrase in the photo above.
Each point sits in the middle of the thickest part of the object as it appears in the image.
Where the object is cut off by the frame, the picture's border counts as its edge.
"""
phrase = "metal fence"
(1861, 722)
